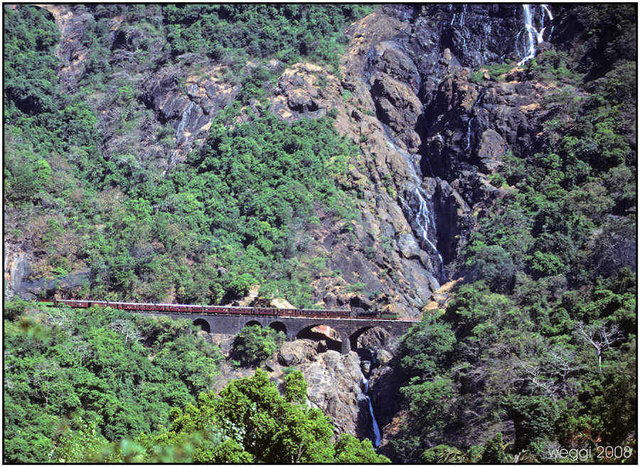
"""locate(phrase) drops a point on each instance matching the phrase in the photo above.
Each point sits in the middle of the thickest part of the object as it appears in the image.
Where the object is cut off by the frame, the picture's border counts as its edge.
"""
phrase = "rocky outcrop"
(188, 104)
(428, 136)
(72, 52)
(398, 107)
(335, 381)
(17, 268)
(298, 352)
(490, 150)
(19, 280)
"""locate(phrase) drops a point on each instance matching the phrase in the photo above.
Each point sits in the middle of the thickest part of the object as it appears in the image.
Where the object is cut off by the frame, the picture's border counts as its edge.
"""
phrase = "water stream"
(424, 220)
(377, 437)
(184, 120)
(469, 133)
(533, 33)
(423, 216)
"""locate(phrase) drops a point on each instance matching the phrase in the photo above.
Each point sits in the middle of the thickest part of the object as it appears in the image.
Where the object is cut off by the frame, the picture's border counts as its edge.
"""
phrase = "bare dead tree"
(600, 337)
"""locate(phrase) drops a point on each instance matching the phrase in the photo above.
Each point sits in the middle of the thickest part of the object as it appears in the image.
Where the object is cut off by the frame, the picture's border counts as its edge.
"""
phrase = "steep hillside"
(475, 165)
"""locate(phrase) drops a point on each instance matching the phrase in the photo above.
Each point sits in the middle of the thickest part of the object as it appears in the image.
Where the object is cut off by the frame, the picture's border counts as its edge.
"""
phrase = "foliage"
(295, 387)
(79, 378)
(255, 344)
(541, 333)
(251, 422)
(426, 347)
(288, 32)
(542, 336)
(129, 224)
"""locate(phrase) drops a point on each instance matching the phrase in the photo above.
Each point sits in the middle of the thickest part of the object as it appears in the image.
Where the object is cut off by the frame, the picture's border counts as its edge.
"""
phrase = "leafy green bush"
(14, 308)
(288, 32)
(251, 422)
(95, 374)
(255, 344)
(295, 387)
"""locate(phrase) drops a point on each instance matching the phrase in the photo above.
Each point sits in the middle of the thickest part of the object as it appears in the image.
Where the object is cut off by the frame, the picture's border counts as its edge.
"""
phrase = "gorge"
(469, 165)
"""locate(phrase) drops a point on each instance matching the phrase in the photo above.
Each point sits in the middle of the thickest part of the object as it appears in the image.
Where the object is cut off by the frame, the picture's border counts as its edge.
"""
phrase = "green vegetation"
(233, 215)
(236, 32)
(541, 337)
(100, 385)
(543, 334)
(99, 373)
(255, 344)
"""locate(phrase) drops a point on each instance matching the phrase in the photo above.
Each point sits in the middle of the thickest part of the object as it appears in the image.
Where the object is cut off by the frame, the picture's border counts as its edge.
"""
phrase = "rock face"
(16, 271)
(189, 111)
(334, 385)
(428, 136)
(398, 107)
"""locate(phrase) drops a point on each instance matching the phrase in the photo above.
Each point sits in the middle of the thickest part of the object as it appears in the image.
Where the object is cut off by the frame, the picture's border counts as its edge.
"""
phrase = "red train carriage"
(222, 310)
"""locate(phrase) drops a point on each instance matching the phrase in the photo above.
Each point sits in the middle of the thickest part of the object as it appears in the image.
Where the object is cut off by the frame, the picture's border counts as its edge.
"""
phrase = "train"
(225, 310)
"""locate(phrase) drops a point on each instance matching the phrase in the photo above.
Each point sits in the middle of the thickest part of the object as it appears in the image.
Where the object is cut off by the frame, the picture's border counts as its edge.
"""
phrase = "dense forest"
(535, 349)
(545, 331)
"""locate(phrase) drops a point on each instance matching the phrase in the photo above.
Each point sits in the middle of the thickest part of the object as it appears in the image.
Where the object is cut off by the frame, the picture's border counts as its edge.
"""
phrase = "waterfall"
(534, 17)
(469, 133)
(377, 437)
(184, 120)
(423, 219)
(376, 429)
(365, 385)
(464, 10)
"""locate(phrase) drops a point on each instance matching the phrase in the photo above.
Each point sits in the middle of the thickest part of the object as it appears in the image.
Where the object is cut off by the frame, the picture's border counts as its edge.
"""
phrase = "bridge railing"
(223, 309)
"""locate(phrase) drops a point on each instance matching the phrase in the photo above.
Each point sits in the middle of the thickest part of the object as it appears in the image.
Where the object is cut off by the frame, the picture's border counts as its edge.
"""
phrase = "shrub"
(255, 344)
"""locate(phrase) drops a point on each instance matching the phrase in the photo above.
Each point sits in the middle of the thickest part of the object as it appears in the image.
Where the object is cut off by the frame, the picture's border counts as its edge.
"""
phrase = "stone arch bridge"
(294, 327)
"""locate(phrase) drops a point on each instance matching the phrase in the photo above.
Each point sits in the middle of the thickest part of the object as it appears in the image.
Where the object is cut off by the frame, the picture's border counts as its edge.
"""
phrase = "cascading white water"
(377, 437)
(424, 217)
(423, 221)
(533, 33)
(184, 120)
(376, 429)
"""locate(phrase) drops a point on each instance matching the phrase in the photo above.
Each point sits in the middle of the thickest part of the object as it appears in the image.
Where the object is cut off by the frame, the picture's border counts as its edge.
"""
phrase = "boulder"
(297, 352)
(390, 59)
(490, 150)
(397, 106)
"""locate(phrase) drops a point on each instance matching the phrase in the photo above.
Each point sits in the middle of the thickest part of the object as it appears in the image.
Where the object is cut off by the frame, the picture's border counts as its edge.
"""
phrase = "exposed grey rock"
(408, 246)
(491, 149)
(297, 352)
(334, 385)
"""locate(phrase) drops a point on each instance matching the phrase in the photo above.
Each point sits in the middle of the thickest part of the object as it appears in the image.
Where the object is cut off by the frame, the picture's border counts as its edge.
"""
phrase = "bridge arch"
(252, 322)
(203, 323)
(279, 326)
(310, 332)
(353, 338)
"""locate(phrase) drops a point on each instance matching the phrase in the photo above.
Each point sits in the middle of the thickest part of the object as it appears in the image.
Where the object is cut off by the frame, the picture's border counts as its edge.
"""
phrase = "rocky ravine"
(428, 137)
(335, 380)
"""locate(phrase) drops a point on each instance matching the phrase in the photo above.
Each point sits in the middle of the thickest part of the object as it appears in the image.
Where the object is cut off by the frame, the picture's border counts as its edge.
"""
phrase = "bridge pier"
(293, 327)
(346, 345)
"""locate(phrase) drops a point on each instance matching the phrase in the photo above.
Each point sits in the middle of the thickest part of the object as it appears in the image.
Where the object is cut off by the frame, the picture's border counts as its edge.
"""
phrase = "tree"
(350, 450)
(295, 387)
(600, 336)
(426, 347)
(255, 344)
(494, 451)
(251, 421)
